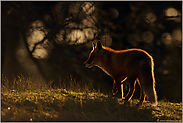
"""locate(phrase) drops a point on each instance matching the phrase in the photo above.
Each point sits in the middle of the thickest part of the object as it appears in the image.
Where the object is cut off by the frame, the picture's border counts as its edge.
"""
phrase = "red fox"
(130, 64)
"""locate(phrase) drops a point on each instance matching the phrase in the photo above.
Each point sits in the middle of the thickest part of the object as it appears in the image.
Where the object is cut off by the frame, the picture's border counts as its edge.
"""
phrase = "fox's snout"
(87, 65)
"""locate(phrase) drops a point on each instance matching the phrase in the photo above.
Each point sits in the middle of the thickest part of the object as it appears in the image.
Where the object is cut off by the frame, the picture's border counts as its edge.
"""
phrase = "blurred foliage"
(53, 39)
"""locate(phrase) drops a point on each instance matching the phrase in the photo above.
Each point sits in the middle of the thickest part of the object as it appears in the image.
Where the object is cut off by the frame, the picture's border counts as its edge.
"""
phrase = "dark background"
(153, 26)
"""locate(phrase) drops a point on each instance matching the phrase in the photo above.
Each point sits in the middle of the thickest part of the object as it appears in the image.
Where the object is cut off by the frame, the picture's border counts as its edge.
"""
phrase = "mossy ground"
(75, 103)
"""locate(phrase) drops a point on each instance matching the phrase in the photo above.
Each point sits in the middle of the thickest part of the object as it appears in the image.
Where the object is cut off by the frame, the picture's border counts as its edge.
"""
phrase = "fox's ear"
(94, 45)
(99, 46)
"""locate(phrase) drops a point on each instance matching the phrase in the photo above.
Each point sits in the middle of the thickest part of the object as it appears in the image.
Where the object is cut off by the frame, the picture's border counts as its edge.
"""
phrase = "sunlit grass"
(40, 102)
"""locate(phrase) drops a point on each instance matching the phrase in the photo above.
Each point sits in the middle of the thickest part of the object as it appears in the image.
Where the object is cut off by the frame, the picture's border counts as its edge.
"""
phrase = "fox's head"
(94, 56)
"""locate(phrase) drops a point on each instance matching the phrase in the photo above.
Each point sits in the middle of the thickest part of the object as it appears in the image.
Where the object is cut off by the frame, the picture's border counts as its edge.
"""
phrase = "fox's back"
(117, 62)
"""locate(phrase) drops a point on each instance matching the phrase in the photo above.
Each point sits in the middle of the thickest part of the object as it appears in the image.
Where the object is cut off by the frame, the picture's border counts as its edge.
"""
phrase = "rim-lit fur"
(131, 64)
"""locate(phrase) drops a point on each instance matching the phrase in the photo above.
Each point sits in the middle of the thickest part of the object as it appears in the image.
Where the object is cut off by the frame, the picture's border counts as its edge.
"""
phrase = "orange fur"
(130, 64)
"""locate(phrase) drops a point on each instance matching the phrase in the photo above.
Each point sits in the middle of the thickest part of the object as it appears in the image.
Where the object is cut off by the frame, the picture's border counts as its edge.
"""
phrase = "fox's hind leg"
(142, 94)
(142, 97)
(132, 84)
(114, 89)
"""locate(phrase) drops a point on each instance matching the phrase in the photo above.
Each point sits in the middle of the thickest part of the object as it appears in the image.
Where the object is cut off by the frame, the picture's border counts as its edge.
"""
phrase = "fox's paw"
(139, 103)
(114, 91)
(155, 103)
(114, 94)
(127, 103)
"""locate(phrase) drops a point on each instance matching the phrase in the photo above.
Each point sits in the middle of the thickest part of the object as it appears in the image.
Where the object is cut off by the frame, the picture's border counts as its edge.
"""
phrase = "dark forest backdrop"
(52, 40)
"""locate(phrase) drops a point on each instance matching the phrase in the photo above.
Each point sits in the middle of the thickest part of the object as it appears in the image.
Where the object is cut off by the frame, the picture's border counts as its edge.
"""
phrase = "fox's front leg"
(120, 89)
(117, 86)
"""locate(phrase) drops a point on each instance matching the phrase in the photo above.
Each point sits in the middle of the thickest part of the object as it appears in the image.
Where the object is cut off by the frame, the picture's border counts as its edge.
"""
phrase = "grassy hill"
(38, 102)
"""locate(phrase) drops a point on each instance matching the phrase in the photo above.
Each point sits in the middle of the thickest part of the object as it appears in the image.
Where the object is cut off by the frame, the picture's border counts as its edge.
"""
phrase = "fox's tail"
(148, 81)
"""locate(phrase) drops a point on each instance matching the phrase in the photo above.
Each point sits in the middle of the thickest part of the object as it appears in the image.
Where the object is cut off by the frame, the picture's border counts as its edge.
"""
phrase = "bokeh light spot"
(106, 40)
(177, 34)
(113, 13)
(171, 12)
(166, 38)
(40, 52)
(35, 37)
(76, 37)
(148, 36)
(165, 72)
(164, 62)
(150, 17)
(134, 39)
(88, 7)
(89, 34)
